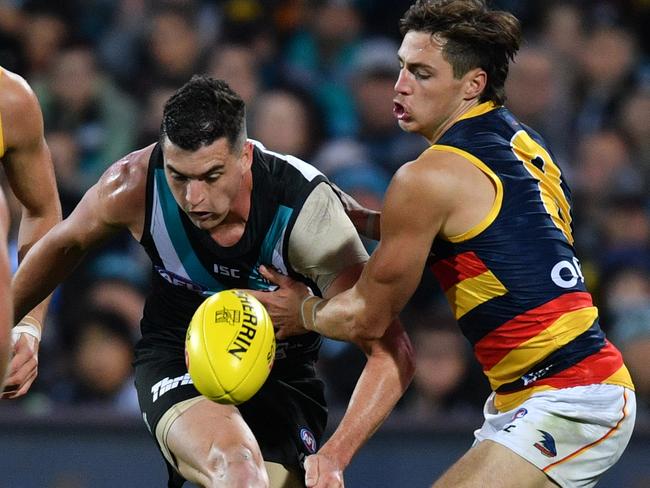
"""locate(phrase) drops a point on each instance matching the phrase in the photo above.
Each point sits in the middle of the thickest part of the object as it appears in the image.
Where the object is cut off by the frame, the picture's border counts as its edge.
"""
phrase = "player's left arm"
(388, 371)
(325, 246)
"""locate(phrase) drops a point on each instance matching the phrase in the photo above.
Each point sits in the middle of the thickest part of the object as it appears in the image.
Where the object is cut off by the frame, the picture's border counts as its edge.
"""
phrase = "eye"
(421, 75)
(178, 177)
(211, 178)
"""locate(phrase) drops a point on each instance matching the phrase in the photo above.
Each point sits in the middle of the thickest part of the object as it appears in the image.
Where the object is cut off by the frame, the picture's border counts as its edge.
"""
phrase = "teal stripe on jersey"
(274, 234)
(195, 270)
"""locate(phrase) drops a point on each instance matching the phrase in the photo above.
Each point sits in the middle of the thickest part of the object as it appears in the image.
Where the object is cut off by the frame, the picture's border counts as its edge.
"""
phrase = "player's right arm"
(114, 203)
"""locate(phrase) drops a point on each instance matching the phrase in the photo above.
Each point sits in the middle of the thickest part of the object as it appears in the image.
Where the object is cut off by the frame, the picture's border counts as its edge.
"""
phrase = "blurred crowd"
(317, 77)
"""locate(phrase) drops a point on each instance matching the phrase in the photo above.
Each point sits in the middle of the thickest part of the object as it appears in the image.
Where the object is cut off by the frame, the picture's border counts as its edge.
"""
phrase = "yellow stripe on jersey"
(507, 401)
(622, 377)
(498, 186)
(480, 109)
(520, 360)
(472, 292)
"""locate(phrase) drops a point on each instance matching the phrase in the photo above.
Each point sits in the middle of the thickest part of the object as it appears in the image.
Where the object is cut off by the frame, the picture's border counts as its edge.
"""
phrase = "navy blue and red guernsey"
(513, 281)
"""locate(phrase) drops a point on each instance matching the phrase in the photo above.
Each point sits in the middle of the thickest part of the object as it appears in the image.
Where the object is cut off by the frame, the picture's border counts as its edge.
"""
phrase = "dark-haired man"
(28, 167)
(209, 206)
(486, 208)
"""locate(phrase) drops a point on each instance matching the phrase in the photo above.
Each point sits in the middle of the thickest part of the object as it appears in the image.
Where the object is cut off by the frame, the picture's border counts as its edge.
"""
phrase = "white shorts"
(573, 434)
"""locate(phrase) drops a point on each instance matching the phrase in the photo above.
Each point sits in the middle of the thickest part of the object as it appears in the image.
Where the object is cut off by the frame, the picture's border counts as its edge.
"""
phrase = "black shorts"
(282, 415)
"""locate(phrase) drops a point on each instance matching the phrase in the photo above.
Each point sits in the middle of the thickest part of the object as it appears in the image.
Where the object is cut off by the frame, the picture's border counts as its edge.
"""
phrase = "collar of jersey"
(480, 109)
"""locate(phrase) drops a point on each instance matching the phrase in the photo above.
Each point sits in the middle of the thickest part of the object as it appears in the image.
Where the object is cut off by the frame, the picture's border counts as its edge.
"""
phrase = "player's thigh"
(491, 465)
(211, 440)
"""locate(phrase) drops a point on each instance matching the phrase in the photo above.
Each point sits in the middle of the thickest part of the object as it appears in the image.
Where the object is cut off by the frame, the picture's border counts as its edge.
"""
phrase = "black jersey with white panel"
(189, 265)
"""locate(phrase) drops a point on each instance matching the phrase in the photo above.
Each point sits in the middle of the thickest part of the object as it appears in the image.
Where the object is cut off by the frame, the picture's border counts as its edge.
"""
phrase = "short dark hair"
(476, 37)
(201, 111)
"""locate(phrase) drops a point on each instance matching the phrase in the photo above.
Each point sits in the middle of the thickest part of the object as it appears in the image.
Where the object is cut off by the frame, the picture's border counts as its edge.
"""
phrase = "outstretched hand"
(284, 303)
(322, 472)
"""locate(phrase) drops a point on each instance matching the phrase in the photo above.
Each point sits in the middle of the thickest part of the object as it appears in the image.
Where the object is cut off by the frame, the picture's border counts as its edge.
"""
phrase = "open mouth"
(400, 111)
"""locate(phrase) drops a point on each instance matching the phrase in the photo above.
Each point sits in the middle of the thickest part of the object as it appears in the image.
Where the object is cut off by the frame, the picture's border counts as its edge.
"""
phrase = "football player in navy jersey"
(209, 206)
(486, 208)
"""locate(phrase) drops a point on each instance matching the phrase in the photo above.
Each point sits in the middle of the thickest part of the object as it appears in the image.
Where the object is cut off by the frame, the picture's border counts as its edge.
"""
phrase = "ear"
(475, 81)
(247, 155)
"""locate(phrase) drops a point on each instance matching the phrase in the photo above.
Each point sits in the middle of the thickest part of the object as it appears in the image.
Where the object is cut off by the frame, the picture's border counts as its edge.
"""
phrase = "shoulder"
(122, 188)
(20, 110)
(433, 175)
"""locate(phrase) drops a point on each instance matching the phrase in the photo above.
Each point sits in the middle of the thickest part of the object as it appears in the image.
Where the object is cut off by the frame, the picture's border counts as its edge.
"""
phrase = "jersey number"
(539, 164)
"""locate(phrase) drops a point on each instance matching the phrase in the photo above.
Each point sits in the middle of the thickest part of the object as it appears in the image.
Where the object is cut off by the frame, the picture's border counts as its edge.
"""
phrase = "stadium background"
(317, 77)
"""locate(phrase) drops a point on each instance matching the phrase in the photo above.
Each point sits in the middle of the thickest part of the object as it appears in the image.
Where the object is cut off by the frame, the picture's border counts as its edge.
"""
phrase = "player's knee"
(236, 467)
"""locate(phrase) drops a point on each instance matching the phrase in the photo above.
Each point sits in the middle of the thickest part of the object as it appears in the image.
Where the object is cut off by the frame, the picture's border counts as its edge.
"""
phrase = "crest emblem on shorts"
(520, 413)
(308, 440)
(547, 445)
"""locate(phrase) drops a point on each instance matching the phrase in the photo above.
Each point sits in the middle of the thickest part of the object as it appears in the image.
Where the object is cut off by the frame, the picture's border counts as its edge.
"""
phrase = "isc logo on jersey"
(230, 347)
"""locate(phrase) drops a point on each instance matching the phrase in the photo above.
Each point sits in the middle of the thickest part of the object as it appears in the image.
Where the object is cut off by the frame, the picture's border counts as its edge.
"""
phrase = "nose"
(194, 192)
(402, 85)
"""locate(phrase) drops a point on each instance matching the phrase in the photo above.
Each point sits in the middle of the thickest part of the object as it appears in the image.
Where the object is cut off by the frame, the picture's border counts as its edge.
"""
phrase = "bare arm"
(28, 166)
(417, 202)
(388, 371)
(116, 202)
(5, 291)
(324, 243)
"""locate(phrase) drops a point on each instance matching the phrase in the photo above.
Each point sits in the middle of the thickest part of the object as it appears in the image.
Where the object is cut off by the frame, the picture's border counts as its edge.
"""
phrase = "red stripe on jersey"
(591, 370)
(494, 346)
(454, 269)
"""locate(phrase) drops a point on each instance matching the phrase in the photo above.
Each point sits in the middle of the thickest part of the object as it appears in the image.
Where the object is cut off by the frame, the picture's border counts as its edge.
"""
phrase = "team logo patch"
(547, 445)
(308, 440)
(520, 413)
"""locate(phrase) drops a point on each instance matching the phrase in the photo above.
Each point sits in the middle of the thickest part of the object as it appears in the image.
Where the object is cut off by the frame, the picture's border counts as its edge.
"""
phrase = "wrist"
(28, 325)
(308, 309)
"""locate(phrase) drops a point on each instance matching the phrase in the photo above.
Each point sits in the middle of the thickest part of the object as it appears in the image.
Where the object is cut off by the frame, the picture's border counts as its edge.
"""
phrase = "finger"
(273, 276)
(18, 390)
(311, 471)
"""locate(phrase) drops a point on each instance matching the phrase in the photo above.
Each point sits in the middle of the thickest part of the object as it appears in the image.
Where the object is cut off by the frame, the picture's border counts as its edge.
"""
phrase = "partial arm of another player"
(29, 170)
(105, 209)
(366, 221)
(6, 320)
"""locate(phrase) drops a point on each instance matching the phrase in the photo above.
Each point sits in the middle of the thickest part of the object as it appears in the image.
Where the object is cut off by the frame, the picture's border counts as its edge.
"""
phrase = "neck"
(451, 120)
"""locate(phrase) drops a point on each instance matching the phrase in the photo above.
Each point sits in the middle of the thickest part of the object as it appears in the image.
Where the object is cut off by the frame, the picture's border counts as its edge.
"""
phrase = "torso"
(189, 264)
(513, 279)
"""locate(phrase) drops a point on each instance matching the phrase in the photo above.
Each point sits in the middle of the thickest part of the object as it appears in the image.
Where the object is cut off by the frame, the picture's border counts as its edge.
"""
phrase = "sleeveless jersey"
(513, 281)
(189, 265)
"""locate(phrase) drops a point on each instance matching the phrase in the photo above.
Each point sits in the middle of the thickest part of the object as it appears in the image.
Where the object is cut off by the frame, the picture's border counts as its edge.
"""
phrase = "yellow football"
(230, 347)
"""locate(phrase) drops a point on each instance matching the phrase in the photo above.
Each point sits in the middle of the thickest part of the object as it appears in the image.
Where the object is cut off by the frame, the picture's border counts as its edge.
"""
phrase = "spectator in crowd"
(98, 372)
(320, 58)
(627, 299)
(80, 99)
(285, 120)
(372, 85)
